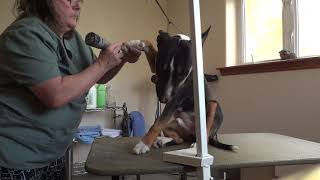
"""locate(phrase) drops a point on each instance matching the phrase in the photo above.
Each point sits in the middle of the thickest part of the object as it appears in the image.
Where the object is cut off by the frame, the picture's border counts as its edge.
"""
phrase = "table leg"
(115, 178)
(232, 174)
(221, 174)
(183, 176)
(69, 163)
(261, 173)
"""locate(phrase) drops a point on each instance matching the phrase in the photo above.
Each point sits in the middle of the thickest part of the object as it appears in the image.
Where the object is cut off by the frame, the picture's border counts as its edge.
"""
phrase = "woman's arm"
(59, 91)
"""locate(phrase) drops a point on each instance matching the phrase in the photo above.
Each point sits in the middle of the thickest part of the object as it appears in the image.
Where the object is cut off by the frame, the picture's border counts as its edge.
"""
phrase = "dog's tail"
(214, 142)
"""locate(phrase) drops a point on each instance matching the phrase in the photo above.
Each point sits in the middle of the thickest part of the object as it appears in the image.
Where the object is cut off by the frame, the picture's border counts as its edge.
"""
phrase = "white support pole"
(198, 84)
(198, 87)
(199, 157)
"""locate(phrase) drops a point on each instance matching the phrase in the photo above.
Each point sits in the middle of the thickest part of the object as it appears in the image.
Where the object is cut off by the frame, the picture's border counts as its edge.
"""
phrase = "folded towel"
(86, 134)
(95, 128)
(111, 132)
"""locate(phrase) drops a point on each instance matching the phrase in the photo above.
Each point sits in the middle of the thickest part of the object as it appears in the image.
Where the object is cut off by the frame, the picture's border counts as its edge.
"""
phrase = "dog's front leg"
(144, 145)
(151, 54)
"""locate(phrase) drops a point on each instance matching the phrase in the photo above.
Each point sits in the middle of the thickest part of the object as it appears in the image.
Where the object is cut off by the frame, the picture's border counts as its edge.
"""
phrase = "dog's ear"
(205, 34)
(162, 36)
(162, 39)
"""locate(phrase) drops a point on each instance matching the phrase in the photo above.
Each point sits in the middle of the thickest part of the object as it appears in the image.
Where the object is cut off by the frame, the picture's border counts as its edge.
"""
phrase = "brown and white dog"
(172, 65)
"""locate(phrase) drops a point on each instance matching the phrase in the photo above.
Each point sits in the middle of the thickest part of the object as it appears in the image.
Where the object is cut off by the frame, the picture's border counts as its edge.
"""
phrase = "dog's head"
(173, 63)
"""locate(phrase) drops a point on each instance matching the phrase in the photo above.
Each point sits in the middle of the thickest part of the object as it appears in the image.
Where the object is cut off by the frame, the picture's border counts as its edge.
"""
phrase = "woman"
(45, 72)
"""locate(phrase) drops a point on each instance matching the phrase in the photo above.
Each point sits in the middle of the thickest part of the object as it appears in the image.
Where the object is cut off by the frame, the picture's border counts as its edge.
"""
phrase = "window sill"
(275, 66)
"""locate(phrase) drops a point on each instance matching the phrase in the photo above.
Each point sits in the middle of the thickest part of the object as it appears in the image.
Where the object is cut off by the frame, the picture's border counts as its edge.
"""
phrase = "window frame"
(292, 47)
(300, 63)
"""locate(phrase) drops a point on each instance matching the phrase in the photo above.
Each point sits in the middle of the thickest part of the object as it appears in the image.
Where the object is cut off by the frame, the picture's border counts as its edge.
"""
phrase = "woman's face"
(67, 13)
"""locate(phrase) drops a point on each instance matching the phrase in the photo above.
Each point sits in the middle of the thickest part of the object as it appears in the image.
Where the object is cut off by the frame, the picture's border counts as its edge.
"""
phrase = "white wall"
(6, 15)
(122, 20)
(212, 13)
(280, 102)
(283, 102)
(117, 21)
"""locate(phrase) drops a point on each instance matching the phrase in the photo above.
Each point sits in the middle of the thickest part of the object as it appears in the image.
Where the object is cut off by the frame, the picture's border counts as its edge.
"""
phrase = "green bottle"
(101, 96)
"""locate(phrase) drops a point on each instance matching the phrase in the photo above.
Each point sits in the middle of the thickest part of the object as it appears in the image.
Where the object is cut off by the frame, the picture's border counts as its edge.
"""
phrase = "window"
(272, 25)
(308, 31)
(263, 30)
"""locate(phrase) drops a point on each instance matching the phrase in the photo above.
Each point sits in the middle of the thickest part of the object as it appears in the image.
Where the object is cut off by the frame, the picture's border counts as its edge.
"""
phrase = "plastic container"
(101, 96)
(92, 98)
(111, 100)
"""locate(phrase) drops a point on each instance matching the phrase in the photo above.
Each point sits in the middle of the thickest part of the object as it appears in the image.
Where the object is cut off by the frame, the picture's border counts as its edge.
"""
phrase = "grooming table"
(113, 156)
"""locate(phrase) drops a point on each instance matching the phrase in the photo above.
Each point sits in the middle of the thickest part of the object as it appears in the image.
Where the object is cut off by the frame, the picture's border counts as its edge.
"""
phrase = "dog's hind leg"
(214, 118)
(171, 138)
(163, 141)
(213, 121)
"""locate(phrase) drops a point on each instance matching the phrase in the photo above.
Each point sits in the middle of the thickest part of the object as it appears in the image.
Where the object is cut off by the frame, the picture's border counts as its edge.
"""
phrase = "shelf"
(95, 110)
(79, 169)
(114, 108)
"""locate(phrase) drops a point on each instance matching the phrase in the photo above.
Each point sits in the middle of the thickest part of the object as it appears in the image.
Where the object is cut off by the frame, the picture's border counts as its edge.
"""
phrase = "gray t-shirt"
(32, 135)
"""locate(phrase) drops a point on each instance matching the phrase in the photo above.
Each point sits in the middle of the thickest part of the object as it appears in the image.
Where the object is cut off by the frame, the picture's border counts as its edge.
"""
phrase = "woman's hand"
(111, 56)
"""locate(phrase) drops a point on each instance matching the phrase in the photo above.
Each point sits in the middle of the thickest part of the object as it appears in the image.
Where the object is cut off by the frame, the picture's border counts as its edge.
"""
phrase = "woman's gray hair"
(41, 8)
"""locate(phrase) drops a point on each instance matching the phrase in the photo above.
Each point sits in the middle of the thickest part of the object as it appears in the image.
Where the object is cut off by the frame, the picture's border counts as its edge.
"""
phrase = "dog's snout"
(154, 78)
(164, 99)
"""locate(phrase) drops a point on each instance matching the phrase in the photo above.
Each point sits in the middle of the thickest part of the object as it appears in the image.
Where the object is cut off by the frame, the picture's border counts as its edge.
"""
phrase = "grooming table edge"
(114, 157)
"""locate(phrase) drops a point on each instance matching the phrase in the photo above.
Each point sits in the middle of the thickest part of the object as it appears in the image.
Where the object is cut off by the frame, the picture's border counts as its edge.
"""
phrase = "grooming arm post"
(199, 158)
(198, 88)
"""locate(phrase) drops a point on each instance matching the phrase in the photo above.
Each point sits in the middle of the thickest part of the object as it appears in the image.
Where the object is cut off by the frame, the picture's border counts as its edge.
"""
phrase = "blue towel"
(137, 125)
(86, 134)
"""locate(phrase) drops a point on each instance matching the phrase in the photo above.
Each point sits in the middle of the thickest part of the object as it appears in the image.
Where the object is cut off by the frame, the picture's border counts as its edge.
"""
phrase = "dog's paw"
(161, 141)
(139, 44)
(193, 145)
(234, 148)
(141, 148)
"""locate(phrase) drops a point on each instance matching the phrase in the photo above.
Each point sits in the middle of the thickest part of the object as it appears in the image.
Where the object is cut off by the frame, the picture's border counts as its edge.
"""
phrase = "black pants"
(54, 171)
